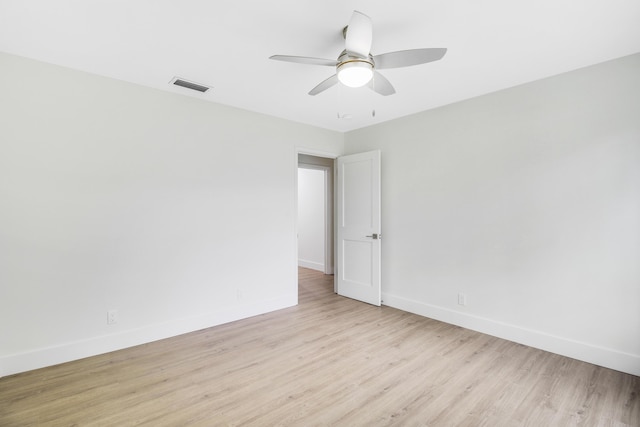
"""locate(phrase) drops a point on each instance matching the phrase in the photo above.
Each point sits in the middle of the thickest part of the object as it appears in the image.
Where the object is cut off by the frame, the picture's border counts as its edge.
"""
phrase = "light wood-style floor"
(329, 361)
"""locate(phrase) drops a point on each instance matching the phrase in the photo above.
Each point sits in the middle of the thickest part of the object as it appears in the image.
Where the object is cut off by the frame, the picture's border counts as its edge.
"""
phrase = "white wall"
(177, 212)
(311, 218)
(527, 201)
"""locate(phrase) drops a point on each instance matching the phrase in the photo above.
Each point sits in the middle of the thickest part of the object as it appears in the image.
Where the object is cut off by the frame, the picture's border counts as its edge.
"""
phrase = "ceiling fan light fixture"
(355, 73)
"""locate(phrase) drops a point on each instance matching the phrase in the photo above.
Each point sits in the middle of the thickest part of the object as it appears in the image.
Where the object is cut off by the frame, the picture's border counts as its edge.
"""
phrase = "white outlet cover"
(112, 317)
(462, 299)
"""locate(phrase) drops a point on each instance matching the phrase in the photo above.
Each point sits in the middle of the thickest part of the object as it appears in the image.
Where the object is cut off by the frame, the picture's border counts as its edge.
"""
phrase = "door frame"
(329, 215)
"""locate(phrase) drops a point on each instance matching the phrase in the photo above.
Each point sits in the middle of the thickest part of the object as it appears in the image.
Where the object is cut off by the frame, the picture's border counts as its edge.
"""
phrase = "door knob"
(375, 236)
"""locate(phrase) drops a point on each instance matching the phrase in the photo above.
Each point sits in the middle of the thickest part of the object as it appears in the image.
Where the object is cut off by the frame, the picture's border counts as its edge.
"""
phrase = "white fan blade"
(359, 35)
(381, 85)
(305, 60)
(406, 58)
(326, 84)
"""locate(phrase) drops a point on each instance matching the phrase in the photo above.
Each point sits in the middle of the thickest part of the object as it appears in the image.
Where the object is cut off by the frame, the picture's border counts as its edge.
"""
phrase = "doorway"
(357, 235)
(315, 213)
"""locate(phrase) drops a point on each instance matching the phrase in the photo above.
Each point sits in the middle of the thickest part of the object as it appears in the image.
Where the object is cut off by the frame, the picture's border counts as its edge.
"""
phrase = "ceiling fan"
(356, 66)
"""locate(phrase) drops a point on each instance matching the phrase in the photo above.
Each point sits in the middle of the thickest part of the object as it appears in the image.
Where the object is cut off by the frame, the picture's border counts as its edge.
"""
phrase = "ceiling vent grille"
(189, 85)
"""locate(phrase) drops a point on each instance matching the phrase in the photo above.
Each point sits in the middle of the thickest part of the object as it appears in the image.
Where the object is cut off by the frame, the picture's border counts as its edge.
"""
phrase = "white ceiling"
(493, 44)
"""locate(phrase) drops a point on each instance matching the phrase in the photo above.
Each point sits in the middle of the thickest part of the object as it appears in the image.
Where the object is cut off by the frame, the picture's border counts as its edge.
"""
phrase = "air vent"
(189, 85)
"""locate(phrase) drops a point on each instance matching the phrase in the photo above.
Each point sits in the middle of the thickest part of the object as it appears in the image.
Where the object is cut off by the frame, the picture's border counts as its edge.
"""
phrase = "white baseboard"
(311, 264)
(606, 357)
(43, 357)
(40, 358)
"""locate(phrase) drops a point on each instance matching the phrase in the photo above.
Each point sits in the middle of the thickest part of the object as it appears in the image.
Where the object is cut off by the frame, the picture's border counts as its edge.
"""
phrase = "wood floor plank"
(328, 361)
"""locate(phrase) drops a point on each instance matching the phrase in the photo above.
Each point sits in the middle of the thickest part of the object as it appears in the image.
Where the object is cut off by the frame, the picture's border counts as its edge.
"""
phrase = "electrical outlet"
(462, 299)
(112, 317)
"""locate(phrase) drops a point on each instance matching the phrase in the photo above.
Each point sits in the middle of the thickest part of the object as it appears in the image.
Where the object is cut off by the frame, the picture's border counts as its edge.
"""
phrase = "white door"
(358, 227)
